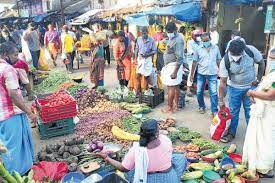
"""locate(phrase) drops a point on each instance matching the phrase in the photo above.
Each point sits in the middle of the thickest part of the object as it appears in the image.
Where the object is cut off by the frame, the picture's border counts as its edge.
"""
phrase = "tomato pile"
(57, 99)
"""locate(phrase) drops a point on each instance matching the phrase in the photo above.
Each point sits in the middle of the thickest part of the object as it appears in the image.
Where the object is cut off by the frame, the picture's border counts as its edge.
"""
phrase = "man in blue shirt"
(144, 52)
(206, 59)
(192, 45)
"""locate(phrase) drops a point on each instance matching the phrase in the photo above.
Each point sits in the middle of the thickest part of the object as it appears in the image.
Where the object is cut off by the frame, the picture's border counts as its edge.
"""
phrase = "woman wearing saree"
(259, 145)
(123, 57)
(97, 63)
(151, 160)
(52, 42)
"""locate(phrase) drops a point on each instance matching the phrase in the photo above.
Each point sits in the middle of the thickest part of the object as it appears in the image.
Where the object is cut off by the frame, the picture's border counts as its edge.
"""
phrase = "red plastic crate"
(49, 114)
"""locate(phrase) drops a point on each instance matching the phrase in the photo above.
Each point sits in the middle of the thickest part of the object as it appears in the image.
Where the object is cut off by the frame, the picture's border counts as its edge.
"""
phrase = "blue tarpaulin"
(187, 12)
(238, 2)
(139, 20)
(40, 18)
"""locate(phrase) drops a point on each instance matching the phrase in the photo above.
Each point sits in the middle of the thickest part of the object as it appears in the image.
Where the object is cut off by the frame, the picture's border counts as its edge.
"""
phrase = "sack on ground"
(42, 63)
(220, 124)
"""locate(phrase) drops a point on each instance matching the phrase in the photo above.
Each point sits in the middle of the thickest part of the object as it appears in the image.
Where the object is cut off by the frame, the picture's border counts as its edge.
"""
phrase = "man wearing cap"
(31, 36)
(144, 52)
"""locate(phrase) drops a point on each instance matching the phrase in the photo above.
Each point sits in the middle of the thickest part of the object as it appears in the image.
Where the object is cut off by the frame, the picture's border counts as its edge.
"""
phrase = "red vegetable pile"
(57, 99)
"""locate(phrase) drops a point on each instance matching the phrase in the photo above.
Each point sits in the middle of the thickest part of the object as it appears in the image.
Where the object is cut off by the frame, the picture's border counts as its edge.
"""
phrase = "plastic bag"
(220, 124)
(42, 62)
(47, 55)
(26, 50)
(63, 56)
(54, 171)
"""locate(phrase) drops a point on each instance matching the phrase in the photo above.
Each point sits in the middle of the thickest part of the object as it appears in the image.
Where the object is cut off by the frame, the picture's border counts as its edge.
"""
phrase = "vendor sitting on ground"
(151, 159)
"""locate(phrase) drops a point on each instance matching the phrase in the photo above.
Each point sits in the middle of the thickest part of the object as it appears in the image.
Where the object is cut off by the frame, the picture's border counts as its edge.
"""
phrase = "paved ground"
(188, 117)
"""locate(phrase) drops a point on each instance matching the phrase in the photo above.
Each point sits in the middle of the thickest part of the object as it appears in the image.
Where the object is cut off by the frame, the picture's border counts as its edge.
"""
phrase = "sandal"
(228, 138)
(33, 125)
(167, 110)
(269, 174)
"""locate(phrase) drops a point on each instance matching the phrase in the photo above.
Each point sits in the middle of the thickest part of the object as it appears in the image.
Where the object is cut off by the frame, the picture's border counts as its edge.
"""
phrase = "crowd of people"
(165, 54)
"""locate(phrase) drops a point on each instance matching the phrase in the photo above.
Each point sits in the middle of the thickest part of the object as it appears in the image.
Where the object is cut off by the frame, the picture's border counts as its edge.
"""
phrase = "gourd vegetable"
(192, 175)
(120, 134)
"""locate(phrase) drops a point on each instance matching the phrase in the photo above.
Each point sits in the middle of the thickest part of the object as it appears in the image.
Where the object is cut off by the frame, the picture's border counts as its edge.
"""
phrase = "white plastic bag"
(26, 51)
(63, 56)
(47, 55)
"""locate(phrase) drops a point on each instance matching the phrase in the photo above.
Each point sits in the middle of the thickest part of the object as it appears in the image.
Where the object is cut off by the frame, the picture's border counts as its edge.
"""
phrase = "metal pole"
(18, 9)
(62, 13)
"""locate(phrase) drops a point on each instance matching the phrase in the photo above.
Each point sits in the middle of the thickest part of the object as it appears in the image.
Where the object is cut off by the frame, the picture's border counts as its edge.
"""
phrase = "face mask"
(236, 58)
(198, 39)
(170, 35)
(206, 44)
(145, 36)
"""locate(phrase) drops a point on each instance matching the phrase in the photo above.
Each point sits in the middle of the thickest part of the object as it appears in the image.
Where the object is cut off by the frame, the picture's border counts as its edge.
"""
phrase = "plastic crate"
(181, 103)
(49, 114)
(56, 128)
(152, 101)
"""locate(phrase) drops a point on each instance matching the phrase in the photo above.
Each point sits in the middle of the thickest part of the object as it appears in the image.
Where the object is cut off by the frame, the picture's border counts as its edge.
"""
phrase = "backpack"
(227, 61)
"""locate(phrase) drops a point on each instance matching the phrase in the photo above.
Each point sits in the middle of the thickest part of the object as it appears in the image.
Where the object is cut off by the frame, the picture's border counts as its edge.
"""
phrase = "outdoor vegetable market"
(147, 91)
(110, 121)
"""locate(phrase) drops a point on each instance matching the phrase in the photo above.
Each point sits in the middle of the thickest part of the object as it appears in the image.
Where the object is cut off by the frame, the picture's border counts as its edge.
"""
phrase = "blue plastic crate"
(56, 128)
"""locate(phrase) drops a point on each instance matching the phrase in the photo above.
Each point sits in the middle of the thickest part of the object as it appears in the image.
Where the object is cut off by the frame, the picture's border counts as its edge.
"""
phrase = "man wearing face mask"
(206, 59)
(238, 72)
(144, 52)
(171, 73)
(192, 45)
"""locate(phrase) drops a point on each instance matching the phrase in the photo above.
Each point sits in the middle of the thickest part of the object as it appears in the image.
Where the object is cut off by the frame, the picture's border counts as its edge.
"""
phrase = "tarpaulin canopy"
(238, 2)
(138, 19)
(132, 3)
(85, 18)
(188, 12)
(39, 18)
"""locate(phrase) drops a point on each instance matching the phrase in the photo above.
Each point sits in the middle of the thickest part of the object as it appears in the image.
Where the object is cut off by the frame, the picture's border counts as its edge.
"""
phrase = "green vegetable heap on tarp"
(52, 82)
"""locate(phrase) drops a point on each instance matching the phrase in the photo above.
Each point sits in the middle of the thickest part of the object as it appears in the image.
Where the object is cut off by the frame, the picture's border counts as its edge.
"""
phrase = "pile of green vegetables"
(183, 134)
(122, 94)
(205, 144)
(52, 82)
(135, 108)
(15, 177)
(131, 124)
